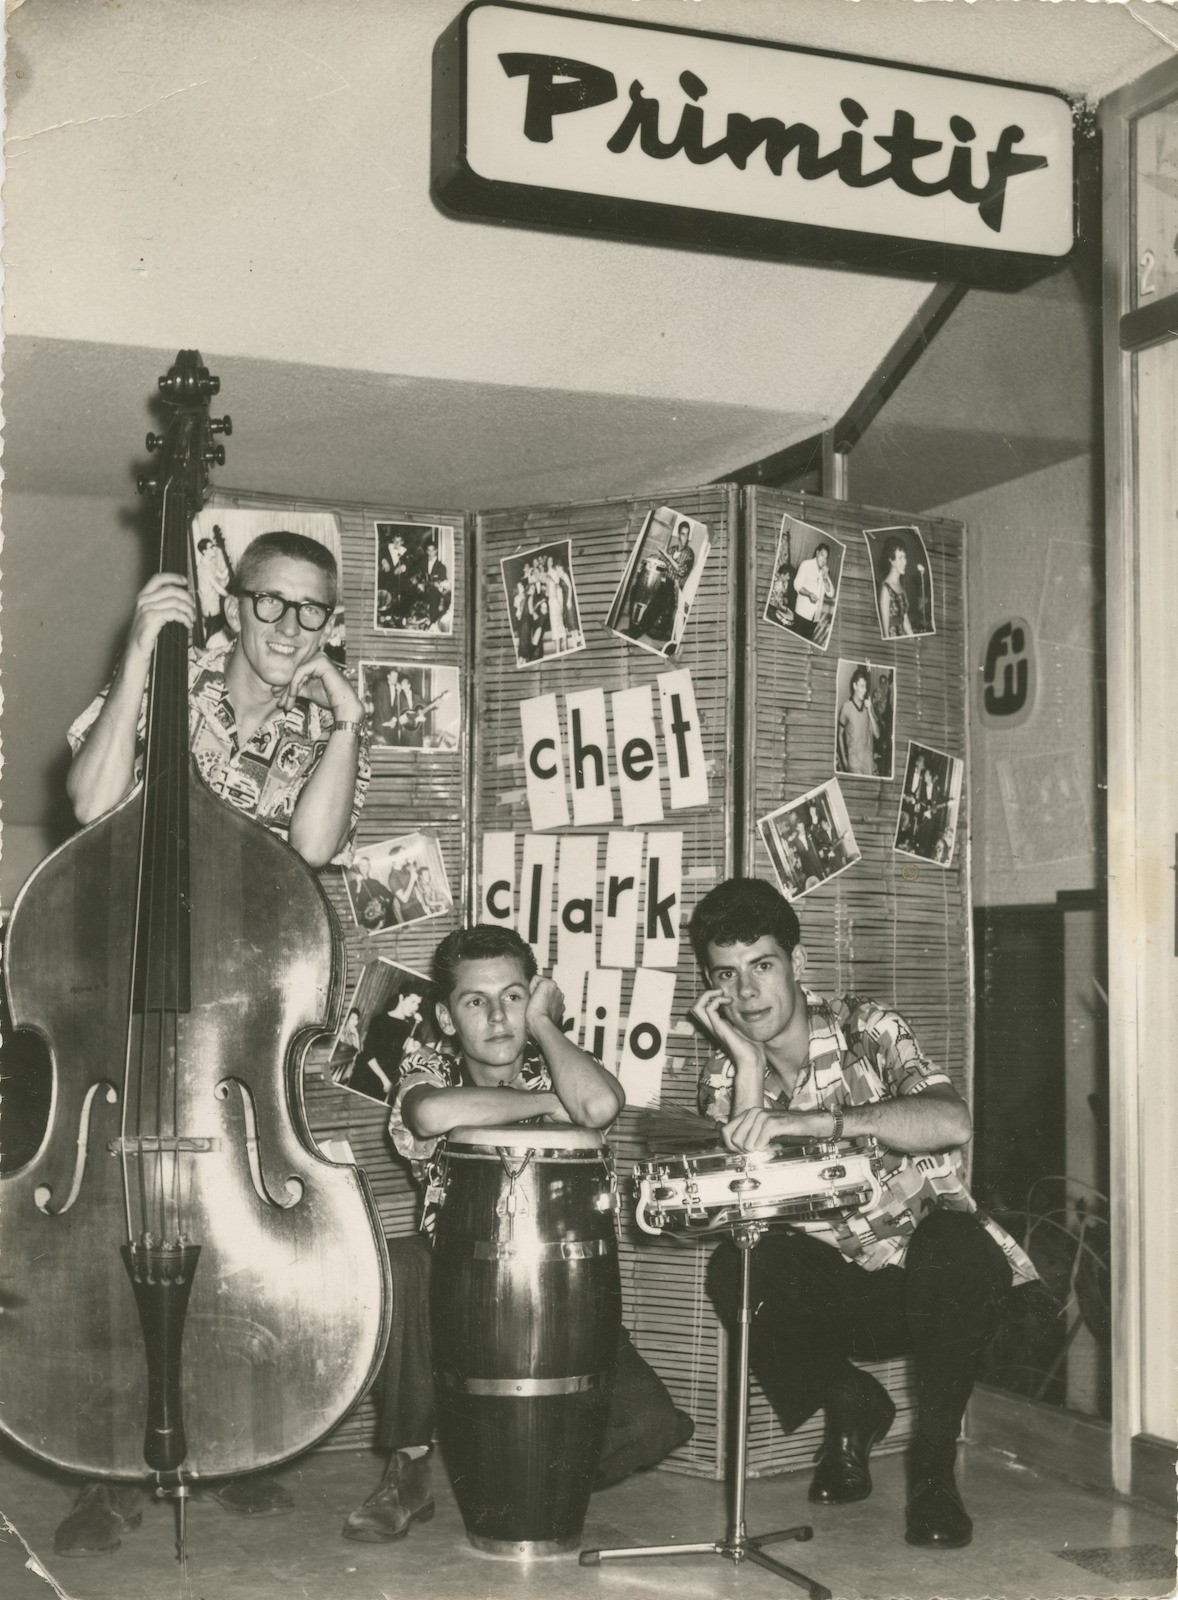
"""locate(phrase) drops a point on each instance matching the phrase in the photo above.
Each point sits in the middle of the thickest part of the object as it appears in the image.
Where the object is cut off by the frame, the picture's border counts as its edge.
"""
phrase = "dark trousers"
(813, 1310)
(643, 1426)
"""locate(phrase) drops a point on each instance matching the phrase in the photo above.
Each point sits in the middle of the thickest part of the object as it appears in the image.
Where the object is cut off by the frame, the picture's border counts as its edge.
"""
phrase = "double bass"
(188, 1289)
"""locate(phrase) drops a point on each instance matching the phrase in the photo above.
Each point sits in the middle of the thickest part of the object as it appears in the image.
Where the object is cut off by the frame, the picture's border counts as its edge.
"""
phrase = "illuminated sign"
(608, 126)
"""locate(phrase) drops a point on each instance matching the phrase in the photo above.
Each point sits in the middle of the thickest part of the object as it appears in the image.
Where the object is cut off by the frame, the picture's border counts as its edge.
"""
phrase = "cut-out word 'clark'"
(558, 86)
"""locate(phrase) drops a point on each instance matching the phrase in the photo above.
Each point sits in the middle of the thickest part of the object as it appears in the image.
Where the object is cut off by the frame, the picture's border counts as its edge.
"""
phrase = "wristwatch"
(837, 1113)
(345, 727)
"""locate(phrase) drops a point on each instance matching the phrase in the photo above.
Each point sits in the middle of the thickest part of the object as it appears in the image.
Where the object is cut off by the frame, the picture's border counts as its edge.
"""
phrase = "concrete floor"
(1026, 1523)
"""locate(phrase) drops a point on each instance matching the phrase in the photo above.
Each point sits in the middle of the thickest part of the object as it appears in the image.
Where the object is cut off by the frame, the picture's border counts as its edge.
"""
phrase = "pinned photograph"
(810, 840)
(865, 718)
(655, 596)
(388, 1014)
(398, 881)
(414, 578)
(903, 578)
(804, 587)
(927, 824)
(411, 706)
(219, 536)
(542, 603)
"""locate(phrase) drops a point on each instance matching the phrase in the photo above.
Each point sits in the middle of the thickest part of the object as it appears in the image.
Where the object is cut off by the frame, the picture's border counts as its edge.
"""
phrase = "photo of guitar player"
(411, 706)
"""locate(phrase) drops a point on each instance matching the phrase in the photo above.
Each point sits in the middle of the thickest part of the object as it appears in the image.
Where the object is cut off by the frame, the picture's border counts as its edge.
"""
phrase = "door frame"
(1125, 735)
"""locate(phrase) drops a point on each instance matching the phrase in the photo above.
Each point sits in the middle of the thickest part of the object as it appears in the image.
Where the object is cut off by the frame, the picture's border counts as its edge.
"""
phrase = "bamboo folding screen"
(664, 1302)
(891, 927)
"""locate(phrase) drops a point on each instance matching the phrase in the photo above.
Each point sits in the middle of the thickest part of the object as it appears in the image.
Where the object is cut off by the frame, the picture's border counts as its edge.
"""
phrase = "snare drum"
(712, 1189)
(526, 1307)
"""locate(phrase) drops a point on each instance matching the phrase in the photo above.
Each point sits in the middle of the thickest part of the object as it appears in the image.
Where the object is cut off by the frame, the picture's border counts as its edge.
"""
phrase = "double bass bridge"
(162, 1144)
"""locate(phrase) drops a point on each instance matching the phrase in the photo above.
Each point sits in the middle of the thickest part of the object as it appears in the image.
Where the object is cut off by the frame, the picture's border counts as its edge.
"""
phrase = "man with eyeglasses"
(276, 728)
(277, 732)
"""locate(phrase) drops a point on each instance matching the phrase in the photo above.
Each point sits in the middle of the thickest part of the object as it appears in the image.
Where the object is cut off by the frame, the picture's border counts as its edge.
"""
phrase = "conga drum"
(525, 1310)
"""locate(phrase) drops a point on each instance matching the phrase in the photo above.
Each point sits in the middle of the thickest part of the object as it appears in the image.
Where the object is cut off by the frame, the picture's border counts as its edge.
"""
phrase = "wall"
(58, 651)
(1034, 547)
(255, 180)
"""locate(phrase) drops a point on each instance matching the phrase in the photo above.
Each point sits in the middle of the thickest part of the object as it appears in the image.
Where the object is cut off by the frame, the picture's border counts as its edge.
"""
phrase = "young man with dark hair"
(858, 728)
(277, 732)
(509, 1062)
(919, 1271)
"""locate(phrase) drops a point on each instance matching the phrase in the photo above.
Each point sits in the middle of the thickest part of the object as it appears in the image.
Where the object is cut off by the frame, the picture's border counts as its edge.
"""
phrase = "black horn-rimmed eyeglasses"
(311, 614)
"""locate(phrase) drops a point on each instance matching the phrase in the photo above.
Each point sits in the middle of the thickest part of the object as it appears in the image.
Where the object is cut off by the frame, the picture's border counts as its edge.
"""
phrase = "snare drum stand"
(738, 1546)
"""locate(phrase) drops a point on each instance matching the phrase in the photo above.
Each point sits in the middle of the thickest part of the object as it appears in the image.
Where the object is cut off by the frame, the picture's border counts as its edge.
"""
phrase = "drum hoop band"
(549, 1154)
(524, 1388)
(564, 1250)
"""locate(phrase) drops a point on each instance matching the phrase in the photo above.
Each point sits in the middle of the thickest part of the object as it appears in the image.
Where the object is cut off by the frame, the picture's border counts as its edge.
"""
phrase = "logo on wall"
(613, 126)
(1008, 676)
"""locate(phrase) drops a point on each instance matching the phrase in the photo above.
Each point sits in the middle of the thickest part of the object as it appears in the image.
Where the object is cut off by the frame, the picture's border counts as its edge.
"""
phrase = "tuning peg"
(215, 455)
(155, 441)
(146, 485)
(221, 425)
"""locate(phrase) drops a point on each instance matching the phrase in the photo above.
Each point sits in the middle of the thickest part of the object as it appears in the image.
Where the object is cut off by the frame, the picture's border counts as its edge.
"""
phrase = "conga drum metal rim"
(522, 1549)
(539, 1138)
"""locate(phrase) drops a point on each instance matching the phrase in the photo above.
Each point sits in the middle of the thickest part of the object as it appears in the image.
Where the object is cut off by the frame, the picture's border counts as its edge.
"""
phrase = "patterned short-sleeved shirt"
(262, 778)
(440, 1070)
(861, 1053)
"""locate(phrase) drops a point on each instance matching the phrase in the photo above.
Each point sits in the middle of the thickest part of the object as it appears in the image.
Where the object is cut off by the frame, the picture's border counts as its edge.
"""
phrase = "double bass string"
(173, 660)
(144, 956)
(176, 843)
(140, 954)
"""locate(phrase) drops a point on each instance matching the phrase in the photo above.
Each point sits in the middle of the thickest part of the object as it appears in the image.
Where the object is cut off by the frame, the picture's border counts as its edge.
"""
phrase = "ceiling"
(254, 181)
(319, 432)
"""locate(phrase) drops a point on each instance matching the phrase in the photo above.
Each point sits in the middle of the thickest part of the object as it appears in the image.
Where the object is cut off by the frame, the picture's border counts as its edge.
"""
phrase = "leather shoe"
(936, 1516)
(254, 1494)
(101, 1513)
(403, 1496)
(854, 1422)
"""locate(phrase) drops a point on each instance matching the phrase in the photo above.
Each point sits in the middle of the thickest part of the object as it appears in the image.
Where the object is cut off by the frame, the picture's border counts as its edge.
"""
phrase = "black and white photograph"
(654, 598)
(397, 881)
(929, 803)
(388, 1013)
(593, 336)
(903, 582)
(804, 585)
(541, 593)
(810, 840)
(221, 533)
(411, 706)
(415, 578)
(865, 719)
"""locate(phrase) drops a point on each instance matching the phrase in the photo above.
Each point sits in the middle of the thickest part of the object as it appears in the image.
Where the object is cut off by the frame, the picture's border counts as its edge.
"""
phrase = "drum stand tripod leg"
(738, 1546)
